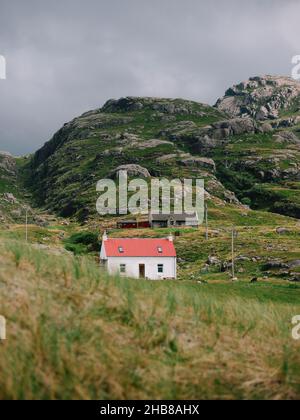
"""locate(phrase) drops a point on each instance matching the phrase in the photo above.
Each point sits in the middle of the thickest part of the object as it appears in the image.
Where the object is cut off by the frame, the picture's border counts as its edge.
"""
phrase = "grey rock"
(294, 264)
(235, 126)
(274, 264)
(153, 143)
(260, 97)
(266, 128)
(199, 162)
(282, 231)
(213, 260)
(286, 137)
(10, 198)
(132, 170)
(7, 163)
(165, 158)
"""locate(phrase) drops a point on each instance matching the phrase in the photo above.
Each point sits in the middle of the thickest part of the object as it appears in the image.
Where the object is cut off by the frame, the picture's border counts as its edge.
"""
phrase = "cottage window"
(122, 268)
(160, 268)
(121, 249)
(159, 249)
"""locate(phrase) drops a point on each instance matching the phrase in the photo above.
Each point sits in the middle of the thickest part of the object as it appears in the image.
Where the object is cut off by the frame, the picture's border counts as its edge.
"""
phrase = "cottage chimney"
(104, 236)
(170, 237)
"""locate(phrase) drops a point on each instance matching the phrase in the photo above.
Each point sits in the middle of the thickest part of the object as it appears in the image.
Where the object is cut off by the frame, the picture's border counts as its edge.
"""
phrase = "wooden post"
(206, 222)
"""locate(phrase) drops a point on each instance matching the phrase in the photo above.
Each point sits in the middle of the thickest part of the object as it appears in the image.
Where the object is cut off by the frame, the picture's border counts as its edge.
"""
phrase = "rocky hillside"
(146, 136)
(264, 167)
(8, 187)
(247, 148)
(14, 199)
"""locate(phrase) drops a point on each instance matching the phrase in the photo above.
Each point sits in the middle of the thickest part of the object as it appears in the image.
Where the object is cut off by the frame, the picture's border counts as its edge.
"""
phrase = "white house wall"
(103, 252)
(151, 263)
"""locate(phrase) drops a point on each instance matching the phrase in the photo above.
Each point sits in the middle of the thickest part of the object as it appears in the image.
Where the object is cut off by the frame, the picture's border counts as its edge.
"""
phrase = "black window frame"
(160, 268)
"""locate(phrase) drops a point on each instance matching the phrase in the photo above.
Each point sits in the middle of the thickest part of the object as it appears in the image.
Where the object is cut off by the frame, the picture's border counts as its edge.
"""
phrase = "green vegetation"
(83, 243)
(74, 333)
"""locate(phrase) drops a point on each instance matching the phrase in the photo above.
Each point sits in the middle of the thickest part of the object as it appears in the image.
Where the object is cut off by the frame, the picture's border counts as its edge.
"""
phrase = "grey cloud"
(66, 57)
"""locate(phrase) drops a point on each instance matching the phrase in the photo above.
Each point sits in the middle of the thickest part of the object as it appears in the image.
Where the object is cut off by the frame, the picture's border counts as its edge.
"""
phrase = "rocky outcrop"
(215, 188)
(132, 170)
(199, 162)
(286, 137)
(285, 122)
(233, 127)
(271, 168)
(202, 140)
(159, 105)
(7, 163)
(260, 97)
(10, 198)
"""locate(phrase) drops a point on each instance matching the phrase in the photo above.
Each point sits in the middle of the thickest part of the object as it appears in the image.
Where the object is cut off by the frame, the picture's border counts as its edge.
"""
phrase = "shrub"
(83, 243)
(247, 201)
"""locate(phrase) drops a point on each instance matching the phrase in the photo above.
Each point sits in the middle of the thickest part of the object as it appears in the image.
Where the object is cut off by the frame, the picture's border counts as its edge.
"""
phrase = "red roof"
(139, 248)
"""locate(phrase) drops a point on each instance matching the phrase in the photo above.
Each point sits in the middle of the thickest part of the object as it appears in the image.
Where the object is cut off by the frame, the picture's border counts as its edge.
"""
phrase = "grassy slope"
(75, 333)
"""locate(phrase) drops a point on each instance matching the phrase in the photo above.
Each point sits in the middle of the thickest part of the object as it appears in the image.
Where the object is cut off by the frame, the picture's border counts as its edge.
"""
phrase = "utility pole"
(233, 236)
(206, 222)
(26, 225)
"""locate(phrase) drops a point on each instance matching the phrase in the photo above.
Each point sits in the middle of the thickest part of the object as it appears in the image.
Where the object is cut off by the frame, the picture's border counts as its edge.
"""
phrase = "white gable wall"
(103, 252)
(151, 269)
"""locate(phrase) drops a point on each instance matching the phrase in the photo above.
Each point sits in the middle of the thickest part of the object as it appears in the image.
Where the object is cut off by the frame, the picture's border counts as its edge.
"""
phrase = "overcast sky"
(65, 57)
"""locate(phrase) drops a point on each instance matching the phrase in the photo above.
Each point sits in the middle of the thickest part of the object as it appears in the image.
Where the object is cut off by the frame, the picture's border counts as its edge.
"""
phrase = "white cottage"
(153, 259)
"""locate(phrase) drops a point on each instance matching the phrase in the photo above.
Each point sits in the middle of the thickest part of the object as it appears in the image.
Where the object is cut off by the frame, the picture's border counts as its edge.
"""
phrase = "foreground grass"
(74, 333)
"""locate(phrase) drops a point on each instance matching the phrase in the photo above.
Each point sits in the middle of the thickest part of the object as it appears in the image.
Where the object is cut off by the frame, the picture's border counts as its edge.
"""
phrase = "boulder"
(165, 158)
(205, 144)
(235, 126)
(213, 260)
(286, 137)
(153, 143)
(274, 265)
(266, 128)
(262, 114)
(199, 162)
(282, 231)
(132, 170)
(10, 198)
(294, 264)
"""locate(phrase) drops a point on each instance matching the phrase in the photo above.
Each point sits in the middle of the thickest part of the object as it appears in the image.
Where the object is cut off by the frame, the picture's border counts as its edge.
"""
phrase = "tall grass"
(73, 332)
